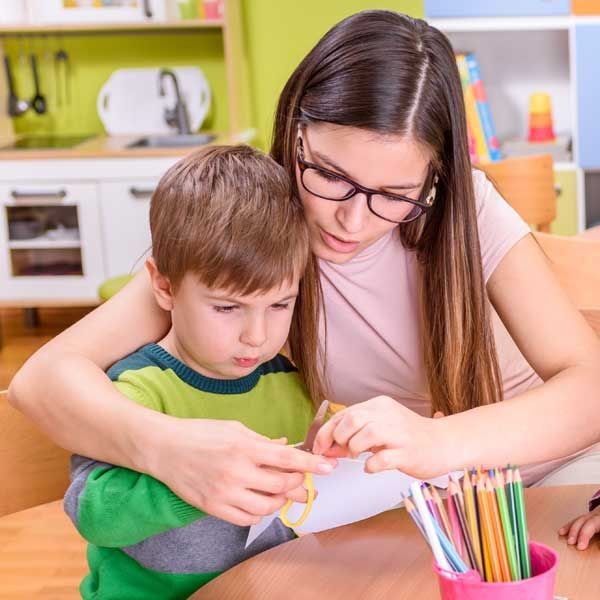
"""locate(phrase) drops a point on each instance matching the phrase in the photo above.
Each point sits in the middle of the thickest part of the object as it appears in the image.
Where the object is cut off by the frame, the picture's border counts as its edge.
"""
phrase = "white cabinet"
(68, 225)
(125, 207)
(50, 241)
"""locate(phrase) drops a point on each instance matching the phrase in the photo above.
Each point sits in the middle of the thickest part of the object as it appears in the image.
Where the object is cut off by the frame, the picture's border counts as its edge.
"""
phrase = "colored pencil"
(431, 504)
(512, 509)
(484, 526)
(472, 521)
(498, 535)
(411, 509)
(454, 491)
(455, 561)
(506, 525)
(443, 514)
(456, 532)
(486, 519)
(427, 521)
(453, 556)
(522, 521)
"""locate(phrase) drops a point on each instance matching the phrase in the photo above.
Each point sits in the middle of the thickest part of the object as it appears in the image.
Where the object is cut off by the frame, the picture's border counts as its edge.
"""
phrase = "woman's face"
(399, 165)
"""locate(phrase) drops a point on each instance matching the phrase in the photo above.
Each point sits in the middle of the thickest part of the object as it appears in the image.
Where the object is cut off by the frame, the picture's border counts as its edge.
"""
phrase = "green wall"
(278, 33)
(94, 57)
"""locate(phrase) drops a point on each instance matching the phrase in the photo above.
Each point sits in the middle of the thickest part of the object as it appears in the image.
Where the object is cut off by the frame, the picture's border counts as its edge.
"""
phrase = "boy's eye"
(225, 309)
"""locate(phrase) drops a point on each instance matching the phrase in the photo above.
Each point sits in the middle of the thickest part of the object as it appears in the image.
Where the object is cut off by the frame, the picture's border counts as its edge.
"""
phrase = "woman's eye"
(328, 176)
(395, 199)
(281, 306)
(224, 309)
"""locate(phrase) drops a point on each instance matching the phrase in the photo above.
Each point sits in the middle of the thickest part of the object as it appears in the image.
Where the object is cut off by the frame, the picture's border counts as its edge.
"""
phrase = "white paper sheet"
(347, 495)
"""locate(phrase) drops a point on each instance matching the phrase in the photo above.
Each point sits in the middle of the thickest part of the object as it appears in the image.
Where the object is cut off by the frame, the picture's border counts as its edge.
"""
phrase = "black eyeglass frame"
(425, 205)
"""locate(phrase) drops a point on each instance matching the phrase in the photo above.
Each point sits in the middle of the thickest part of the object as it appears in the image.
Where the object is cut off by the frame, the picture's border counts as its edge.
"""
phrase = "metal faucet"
(178, 115)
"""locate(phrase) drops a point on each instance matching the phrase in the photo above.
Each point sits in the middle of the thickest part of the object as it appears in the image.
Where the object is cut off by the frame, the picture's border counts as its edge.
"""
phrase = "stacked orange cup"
(540, 118)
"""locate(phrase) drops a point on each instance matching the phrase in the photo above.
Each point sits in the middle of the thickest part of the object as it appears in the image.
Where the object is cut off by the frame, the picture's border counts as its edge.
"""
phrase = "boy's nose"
(254, 332)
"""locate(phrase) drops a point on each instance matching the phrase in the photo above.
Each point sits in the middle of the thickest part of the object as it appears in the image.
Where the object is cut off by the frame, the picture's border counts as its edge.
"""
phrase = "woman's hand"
(229, 471)
(398, 437)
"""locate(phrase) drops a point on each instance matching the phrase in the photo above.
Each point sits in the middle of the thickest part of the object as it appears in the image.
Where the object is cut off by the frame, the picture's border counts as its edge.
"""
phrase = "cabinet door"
(495, 8)
(125, 207)
(566, 222)
(50, 242)
(587, 50)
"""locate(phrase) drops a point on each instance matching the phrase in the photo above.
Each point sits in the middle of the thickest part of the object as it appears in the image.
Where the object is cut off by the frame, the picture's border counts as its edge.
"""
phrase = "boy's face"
(221, 334)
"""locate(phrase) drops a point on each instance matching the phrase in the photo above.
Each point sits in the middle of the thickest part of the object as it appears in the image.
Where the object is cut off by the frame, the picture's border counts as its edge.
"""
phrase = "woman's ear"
(161, 286)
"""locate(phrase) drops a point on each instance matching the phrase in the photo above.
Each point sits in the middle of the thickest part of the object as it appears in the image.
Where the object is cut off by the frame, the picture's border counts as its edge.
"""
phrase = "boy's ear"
(161, 286)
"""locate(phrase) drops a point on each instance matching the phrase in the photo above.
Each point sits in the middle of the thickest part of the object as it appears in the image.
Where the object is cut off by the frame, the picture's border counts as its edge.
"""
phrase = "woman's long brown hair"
(391, 74)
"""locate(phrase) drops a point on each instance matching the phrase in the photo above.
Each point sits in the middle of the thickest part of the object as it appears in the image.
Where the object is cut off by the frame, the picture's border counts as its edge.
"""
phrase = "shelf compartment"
(43, 244)
(34, 226)
(48, 262)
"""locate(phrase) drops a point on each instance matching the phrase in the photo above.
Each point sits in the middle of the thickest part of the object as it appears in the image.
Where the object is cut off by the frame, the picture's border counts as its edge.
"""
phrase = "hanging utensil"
(62, 75)
(38, 102)
(16, 106)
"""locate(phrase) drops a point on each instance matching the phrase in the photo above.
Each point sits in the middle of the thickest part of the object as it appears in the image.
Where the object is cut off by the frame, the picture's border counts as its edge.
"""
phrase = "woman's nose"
(353, 213)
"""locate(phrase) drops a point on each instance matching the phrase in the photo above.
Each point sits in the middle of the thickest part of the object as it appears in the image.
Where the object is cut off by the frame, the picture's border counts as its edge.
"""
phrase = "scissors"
(307, 446)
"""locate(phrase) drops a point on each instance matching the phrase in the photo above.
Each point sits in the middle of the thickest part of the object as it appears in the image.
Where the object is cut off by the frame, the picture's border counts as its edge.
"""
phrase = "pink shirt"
(371, 307)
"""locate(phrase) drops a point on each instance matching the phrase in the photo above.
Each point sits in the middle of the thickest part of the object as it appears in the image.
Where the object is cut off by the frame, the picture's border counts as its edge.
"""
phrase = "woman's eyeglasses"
(332, 186)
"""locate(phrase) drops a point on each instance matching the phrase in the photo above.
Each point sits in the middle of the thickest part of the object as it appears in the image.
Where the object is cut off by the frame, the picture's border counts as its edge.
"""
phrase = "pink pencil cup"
(469, 586)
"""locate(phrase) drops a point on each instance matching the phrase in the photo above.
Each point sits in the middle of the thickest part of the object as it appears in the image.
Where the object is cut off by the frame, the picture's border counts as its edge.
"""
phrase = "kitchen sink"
(172, 141)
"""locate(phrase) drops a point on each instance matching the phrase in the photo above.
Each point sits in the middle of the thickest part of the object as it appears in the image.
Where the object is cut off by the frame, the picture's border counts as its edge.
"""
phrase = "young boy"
(229, 248)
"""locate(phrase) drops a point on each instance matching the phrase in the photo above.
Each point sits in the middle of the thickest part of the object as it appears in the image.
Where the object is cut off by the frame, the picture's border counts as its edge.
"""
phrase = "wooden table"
(385, 557)
(43, 556)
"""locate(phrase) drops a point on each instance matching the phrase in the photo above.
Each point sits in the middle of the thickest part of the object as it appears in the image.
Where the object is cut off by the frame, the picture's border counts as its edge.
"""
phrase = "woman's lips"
(338, 245)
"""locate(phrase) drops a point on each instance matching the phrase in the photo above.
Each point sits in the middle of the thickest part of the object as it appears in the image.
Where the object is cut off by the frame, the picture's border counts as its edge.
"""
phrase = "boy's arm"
(113, 506)
(116, 507)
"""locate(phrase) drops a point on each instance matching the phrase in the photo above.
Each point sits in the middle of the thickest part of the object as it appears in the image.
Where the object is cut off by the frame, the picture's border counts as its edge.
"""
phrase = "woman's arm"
(560, 416)
(219, 466)
(552, 420)
(64, 390)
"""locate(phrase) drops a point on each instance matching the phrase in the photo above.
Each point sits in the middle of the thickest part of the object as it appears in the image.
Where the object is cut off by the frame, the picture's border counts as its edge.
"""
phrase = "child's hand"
(582, 529)
(398, 437)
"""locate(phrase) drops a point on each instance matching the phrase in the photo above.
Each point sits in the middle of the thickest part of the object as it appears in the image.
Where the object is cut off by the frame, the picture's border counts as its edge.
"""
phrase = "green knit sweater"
(146, 542)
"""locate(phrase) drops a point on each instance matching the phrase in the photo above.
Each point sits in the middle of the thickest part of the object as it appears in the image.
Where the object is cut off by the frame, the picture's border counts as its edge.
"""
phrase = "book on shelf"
(483, 143)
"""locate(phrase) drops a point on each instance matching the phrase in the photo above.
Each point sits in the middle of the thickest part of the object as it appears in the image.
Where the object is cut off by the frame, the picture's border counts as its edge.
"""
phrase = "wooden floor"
(19, 342)
(45, 565)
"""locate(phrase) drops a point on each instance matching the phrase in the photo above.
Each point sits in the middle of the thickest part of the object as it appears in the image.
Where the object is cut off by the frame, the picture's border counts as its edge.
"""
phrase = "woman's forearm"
(64, 390)
(79, 408)
(553, 420)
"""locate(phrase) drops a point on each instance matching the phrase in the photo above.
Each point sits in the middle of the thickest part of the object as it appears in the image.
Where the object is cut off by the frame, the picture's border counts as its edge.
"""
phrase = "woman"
(425, 273)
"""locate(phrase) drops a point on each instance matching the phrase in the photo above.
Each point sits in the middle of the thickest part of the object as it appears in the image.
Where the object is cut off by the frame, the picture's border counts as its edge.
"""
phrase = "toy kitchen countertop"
(101, 146)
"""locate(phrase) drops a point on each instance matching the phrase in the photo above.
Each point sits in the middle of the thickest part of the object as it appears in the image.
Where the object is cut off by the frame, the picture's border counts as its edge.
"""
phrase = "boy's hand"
(398, 437)
(580, 531)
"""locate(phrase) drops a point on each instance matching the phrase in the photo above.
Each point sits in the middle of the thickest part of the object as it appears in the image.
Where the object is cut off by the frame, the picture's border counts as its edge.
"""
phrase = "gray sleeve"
(81, 467)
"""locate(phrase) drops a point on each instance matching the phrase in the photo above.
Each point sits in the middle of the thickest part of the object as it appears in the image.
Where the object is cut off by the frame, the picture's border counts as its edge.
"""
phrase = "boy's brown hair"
(227, 215)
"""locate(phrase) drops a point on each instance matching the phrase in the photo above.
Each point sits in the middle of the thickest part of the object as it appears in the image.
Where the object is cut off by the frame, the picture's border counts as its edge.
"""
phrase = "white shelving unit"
(522, 55)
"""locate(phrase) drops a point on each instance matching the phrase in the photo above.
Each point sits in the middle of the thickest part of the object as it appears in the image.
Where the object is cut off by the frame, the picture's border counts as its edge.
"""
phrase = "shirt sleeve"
(114, 507)
(500, 227)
